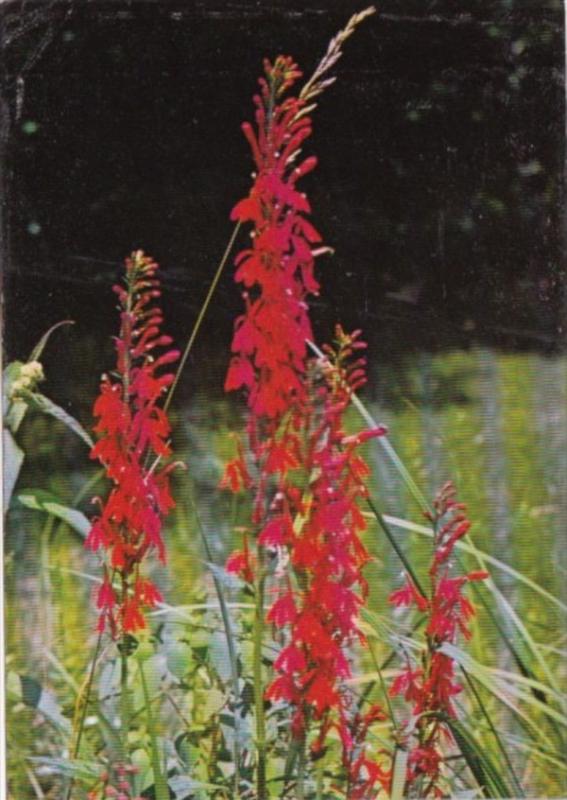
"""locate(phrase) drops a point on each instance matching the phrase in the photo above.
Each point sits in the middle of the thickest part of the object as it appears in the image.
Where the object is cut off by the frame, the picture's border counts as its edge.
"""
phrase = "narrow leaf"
(38, 349)
(43, 403)
(40, 500)
(486, 774)
(87, 771)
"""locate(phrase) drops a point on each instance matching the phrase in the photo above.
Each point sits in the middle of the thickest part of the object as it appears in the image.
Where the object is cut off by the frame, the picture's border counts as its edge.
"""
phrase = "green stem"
(124, 693)
(399, 552)
(320, 779)
(384, 690)
(160, 783)
(259, 688)
(88, 690)
(230, 644)
(124, 700)
(301, 764)
(45, 585)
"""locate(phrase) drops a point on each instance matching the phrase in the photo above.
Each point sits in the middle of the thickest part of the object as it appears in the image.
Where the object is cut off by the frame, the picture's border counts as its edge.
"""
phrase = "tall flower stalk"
(269, 345)
(431, 686)
(133, 447)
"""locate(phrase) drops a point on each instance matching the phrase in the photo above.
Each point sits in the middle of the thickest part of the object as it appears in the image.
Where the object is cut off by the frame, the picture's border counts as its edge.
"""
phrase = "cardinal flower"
(134, 448)
(431, 688)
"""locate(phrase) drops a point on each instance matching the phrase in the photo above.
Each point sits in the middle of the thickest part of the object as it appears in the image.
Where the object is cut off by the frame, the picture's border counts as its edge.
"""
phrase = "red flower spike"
(270, 338)
(134, 432)
(431, 689)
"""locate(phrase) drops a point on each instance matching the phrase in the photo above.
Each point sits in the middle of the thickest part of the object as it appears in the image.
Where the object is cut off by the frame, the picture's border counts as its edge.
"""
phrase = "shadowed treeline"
(440, 161)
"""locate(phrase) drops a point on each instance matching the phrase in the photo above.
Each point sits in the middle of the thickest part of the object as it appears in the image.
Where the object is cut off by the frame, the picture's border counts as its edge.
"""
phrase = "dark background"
(440, 178)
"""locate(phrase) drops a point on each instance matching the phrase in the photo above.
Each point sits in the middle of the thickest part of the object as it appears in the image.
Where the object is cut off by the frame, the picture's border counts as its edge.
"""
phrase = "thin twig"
(202, 313)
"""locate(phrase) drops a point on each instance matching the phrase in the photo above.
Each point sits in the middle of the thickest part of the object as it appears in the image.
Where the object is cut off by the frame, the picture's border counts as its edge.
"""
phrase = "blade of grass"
(494, 732)
(557, 759)
(478, 761)
(38, 349)
(525, 634)
(503, 689)
(397, 549)
(467, 547)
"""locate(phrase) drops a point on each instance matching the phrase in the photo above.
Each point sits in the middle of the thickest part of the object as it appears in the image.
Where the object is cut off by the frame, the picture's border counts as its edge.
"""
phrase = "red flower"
(134, 432)
(407, 595)
(291, 659)
(321, 694)
(241, 563)
(283, 611)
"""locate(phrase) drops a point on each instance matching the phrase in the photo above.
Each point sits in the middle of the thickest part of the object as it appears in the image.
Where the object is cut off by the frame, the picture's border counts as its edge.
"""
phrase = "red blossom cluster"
(134, 431)
(277, 270)
(315, 520)
(431, 686)
(319, 524)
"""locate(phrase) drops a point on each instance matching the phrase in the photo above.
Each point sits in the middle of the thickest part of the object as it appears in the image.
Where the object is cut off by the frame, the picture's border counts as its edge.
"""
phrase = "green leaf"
(179, 658)
(43, 403)
(219, 654)
(40, 500)
(215, 701)
(13, 459)
(38, 349)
